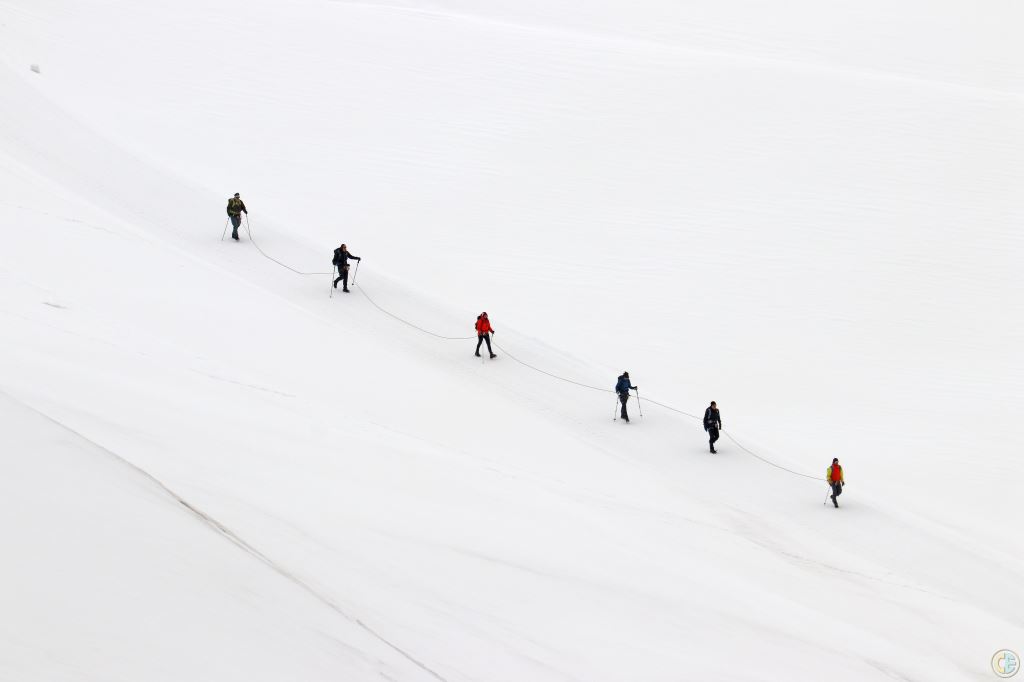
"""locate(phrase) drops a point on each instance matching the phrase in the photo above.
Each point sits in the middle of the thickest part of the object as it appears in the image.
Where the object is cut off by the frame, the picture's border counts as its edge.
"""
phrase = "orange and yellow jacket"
(834, 474)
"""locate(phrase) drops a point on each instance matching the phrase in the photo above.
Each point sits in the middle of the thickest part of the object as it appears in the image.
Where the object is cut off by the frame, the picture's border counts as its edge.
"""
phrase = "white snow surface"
(807, 211)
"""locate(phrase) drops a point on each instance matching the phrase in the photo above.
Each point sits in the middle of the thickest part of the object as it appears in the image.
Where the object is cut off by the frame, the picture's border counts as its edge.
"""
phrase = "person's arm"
(244, 209)
(228, 209)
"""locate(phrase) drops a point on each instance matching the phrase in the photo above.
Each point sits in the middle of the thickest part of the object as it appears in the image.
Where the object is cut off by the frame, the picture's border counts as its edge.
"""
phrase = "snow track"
(526, 364)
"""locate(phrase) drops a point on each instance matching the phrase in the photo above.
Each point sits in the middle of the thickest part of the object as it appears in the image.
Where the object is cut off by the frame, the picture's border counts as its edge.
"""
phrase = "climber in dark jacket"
(622, 387)
(712, 424)
(341, 256)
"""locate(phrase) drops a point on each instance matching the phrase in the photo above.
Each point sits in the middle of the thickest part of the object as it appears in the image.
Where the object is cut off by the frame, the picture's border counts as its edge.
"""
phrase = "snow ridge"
(232, 536)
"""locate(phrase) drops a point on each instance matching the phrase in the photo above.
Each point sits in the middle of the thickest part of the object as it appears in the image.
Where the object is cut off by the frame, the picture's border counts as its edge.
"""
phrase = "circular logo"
(1005, 663)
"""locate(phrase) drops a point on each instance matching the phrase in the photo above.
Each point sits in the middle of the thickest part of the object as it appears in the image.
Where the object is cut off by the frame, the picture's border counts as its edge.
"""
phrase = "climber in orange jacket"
(483, 333)
(834, 477)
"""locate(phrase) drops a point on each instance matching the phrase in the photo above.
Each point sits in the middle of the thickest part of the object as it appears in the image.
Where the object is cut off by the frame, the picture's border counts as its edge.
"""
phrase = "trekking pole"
(225, 232)
(331, 290)
(248, 229)
(639, 409)
(356, 272)
(615, 412)
(827, 496)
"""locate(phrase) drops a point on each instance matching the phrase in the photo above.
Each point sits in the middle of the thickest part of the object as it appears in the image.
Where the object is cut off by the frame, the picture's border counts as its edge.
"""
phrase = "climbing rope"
(263, 253)
(546, 373)
(674, 409)
(768, 461)
(390, 314)
(521, 362)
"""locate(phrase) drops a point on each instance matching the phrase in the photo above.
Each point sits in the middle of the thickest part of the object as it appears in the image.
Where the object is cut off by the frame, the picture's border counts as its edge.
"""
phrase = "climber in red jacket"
(483, 333)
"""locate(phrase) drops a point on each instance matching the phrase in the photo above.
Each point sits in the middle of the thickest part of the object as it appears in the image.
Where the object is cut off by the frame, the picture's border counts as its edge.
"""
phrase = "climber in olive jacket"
(236, 207)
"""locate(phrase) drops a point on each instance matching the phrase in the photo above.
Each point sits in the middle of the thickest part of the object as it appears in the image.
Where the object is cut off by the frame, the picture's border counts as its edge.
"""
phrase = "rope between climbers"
(515, 359)
(390, 314)
(768, 461)
(673, 409)
(263, 253)
(553, 376)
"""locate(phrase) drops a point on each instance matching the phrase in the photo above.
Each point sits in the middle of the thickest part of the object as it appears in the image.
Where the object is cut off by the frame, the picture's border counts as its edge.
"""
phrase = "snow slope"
(222, 473)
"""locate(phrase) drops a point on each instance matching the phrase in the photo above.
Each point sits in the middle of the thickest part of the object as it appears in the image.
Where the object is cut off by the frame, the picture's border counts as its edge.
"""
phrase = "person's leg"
(623, 397)
(344, 279)
(712, 437)
(836, 489)
(236, 222)
(487, 337)
(479, 340)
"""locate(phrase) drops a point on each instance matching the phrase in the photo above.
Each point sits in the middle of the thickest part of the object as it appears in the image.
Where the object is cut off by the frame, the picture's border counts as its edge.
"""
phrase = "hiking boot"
(477, 353)
(493, 356)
